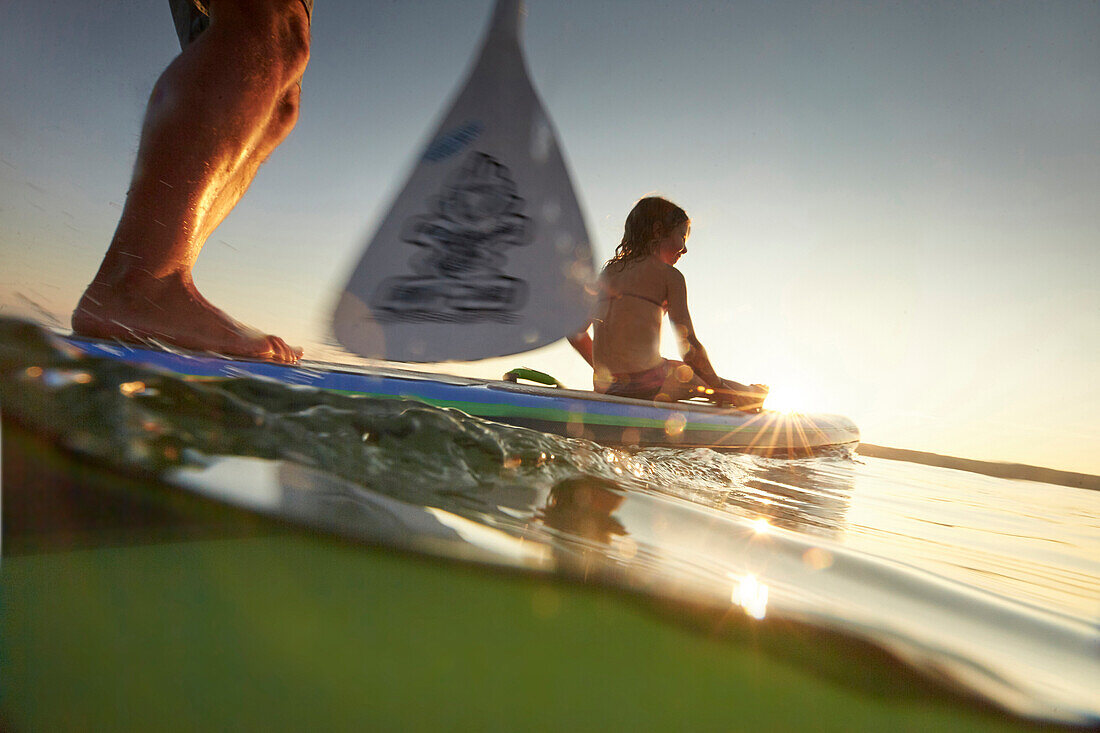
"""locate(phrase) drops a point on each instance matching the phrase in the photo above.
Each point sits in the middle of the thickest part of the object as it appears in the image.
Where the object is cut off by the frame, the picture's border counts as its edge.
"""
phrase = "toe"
(274, 350)
(283, 352)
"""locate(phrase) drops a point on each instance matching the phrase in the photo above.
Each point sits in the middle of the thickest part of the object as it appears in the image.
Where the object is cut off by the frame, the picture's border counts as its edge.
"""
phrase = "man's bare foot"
(171, 310)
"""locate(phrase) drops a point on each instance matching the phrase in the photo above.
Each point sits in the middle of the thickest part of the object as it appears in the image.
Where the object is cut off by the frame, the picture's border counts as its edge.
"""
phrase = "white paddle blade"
(484, 252)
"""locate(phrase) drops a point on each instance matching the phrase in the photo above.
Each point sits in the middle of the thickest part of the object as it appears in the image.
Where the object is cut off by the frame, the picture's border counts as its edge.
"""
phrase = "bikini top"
(663, 305)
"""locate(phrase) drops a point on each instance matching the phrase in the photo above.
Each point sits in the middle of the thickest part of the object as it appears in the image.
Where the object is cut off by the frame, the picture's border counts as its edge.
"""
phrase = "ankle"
(141, 280)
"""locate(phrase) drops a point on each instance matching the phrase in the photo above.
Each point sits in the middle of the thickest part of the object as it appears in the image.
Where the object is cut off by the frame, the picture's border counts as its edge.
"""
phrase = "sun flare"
(785, 398)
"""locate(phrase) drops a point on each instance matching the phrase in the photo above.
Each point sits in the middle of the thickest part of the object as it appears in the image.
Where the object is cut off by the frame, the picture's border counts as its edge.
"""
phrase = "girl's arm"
(692, 351)
(728, 392)
(582, 342)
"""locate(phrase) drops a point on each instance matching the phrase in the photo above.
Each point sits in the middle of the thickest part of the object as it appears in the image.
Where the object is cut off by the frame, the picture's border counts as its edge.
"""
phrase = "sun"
(785, 397)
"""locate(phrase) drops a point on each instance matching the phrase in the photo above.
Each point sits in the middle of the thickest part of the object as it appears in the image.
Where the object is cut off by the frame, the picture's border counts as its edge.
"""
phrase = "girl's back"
(633, 297)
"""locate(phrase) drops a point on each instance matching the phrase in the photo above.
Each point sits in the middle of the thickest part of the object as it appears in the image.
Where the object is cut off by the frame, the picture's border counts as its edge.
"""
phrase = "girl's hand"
(742, 397)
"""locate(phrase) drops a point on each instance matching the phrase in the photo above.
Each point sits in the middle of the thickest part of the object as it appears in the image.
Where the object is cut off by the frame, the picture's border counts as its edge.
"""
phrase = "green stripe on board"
(554, 414)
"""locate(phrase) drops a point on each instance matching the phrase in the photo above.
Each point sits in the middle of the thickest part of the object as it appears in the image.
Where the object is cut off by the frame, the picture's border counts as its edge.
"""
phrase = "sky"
(893, 204)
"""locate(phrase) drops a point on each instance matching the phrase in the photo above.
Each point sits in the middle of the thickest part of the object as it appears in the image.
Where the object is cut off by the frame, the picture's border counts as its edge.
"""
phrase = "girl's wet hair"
(638, 237)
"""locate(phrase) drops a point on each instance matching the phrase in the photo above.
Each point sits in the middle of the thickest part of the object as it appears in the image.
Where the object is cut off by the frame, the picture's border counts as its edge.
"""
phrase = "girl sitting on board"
(637, 287)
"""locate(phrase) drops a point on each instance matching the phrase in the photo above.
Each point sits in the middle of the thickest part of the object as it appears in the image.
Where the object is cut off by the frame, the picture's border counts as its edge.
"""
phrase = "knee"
(277, 30)
(285, 116)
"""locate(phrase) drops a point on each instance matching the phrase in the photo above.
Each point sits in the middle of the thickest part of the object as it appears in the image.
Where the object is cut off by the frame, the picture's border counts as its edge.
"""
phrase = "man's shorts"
(191, 18)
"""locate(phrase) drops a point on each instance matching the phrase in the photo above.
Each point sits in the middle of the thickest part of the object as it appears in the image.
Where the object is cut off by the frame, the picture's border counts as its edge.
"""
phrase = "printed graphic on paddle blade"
(484, 252)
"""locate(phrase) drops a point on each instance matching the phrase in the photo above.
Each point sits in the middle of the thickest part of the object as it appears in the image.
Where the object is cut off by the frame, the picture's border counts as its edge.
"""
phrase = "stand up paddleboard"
(612, 421)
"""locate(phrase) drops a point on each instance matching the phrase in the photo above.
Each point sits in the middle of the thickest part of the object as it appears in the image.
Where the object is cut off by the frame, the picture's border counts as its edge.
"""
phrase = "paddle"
(484, 252)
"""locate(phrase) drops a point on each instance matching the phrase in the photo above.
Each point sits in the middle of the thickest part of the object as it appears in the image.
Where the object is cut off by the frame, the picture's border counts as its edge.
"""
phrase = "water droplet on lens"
(675, 424)
(129, 389)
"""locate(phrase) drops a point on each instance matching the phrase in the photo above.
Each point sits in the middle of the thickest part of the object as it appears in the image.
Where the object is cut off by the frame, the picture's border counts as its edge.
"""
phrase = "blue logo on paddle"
(453, 141)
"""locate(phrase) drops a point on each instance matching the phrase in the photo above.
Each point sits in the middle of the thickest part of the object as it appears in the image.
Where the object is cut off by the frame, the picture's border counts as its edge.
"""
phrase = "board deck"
(612, 421)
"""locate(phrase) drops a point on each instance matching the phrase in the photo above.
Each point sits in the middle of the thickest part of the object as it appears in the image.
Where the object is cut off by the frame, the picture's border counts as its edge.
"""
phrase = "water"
(989, 582)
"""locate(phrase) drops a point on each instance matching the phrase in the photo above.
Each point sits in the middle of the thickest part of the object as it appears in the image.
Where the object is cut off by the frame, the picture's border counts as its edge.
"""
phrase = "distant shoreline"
(989, 468)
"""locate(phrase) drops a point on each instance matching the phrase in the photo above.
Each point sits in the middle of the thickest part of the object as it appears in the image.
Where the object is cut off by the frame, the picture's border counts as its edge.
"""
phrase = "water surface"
(989, 582)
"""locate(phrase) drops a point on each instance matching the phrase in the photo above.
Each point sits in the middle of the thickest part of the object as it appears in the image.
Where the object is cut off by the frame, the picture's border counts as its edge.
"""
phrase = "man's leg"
(215, 114)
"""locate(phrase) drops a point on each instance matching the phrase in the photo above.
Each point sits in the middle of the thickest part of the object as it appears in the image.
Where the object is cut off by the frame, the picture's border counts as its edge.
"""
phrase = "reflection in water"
(664, 541)
(582, 508)
(751, 595)
(803, 495)
(585, 538)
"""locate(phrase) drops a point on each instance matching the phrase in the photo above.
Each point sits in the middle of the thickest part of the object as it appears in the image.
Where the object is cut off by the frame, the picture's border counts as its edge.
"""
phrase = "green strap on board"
(532, 375)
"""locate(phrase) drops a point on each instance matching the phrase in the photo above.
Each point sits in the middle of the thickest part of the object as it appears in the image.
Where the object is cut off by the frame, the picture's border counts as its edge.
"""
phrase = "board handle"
(532, 375)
